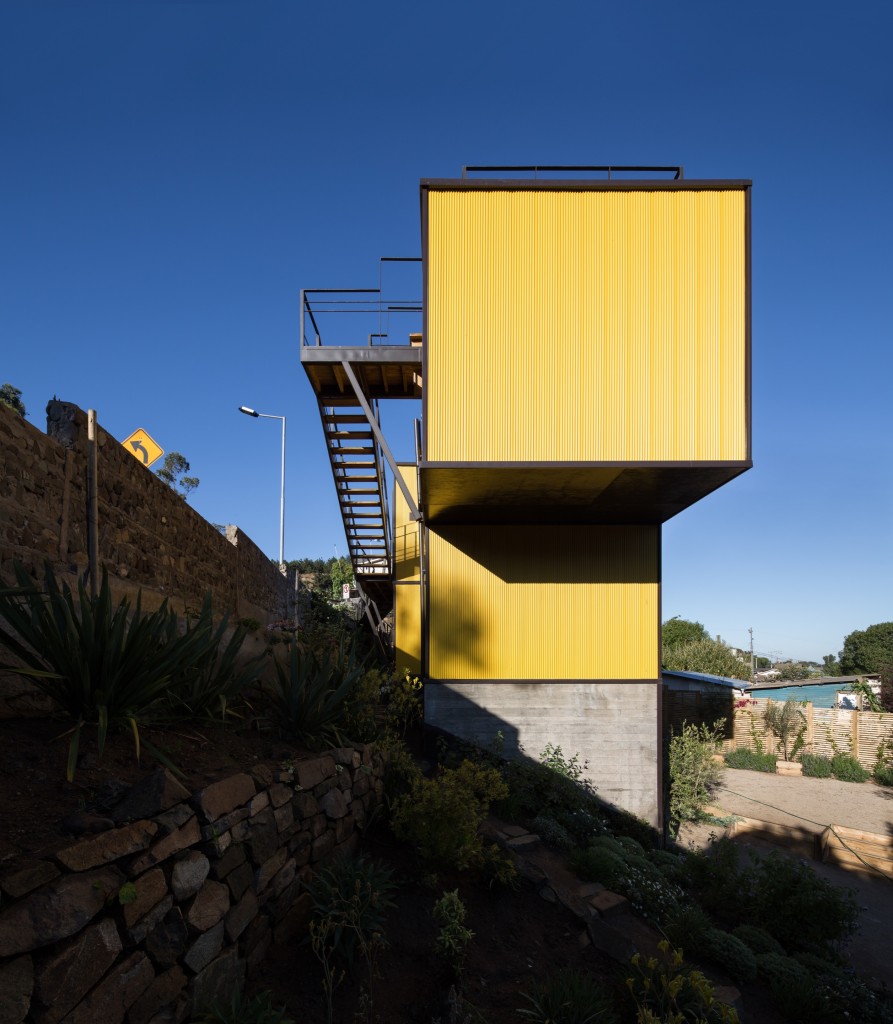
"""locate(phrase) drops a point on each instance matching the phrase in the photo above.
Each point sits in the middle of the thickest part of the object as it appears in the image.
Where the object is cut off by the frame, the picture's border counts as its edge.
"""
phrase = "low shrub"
(758, 939)
(569, 997)
(686, 926)
(441, 816)
(883, 775)
(846, 768)
(453, 938)
(552, 833)
(750, 760)
(729, 953)
(795, 991)
(597, 864)
(817, 766)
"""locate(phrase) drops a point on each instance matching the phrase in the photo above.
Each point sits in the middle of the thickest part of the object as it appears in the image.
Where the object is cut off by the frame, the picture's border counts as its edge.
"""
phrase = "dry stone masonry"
(180, 896)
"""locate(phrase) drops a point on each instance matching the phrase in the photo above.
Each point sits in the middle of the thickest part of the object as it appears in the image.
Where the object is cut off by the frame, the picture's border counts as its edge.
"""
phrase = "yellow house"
(584, 370)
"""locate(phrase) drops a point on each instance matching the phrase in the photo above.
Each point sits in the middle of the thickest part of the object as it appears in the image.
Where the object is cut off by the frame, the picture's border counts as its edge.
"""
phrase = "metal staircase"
(358, 471)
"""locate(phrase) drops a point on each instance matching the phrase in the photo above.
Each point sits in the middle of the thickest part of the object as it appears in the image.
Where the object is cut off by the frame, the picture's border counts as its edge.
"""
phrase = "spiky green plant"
(308, 700)
(569, 997)
(99, 661)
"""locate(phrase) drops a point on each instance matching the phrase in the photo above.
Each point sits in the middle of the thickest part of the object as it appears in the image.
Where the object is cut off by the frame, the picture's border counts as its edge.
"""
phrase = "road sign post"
(142, 447)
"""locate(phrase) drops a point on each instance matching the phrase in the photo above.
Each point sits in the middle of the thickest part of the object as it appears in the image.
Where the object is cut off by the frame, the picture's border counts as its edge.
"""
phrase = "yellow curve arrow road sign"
(142, 447)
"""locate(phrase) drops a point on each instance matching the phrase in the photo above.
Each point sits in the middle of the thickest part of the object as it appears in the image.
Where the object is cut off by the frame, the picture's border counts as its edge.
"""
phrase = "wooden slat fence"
(865, 734)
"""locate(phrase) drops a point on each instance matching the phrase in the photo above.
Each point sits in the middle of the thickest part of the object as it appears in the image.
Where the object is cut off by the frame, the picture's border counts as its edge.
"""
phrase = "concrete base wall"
(614, 725)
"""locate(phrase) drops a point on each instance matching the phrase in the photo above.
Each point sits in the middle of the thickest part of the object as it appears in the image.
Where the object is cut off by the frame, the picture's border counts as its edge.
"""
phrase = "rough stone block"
(322, 846)
(297, 919)
(189, 874)
(284, 877)
(607, 903)
(204, 949)
(20, 883)
(311, 773)
(305, 805)
(16, 984)
(334, 804)
(184, 837)
(161, 993)
(156, 915)
(166, 942)
(108, 846)
(262, 774)
(284, 816)
(239, 880)
(264, 874)
(280, 794)
(151, 888)
(56, 911)
(241, 915)
(222, 797)
(173, 819)
(208, 907)
(230, 860)
(116, 993)
(218, 980)
(258, 803)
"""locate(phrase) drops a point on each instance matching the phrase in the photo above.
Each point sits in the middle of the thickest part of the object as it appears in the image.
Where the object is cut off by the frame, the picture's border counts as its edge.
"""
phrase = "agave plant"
(100, 662)
(308, 699)
(208, 689)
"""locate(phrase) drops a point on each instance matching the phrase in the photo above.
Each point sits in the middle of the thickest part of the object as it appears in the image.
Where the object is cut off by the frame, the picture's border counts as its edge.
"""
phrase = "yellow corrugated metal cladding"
(586, 325)
(407, 596)
(544, 602)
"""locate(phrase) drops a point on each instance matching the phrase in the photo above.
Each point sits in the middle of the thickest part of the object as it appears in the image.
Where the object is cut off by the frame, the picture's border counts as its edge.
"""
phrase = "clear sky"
(174, 172)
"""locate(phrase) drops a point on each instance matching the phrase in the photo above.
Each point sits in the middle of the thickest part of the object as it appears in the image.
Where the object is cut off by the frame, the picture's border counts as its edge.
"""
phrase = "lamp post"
(268, 416)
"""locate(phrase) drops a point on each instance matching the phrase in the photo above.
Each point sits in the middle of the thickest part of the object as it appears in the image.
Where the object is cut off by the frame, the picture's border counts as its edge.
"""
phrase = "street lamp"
(267, 416)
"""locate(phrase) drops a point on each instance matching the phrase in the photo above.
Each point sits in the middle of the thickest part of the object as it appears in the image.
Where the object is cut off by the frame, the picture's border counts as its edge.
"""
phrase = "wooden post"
(92, 502)
(810, 725)
(854, 738)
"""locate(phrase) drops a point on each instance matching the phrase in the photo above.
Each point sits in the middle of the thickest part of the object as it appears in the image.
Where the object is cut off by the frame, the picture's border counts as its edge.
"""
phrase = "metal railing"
(370, 304)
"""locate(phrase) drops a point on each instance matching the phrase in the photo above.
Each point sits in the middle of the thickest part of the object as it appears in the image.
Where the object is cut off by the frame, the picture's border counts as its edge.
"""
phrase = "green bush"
(453, 938)
(686, 926)
(799, 908)
(817, 766)
(569, 997)
(693, 772)
(552, 833)
(309, 699)
(883, 775)
(758, 939)
(846, 768)
(750, 760)
(729, 953)
(441, 816)
(100, 662)
(665, 990)
(794, 990)
(596, 864)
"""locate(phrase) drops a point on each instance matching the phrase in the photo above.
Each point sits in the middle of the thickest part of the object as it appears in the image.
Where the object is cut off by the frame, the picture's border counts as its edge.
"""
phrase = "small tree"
(886, 673)
(710, 656)
(865, 650)
(173, 473)
(785, 721)
(693, 772)
(12, 398)
(676, 631)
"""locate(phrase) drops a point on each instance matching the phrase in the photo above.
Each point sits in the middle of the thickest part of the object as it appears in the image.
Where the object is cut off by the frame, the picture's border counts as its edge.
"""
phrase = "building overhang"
(635, 493)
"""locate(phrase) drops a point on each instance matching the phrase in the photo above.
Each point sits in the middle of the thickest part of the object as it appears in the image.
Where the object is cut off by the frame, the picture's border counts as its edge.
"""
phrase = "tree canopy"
(705, 655)
(12, 398)
(867, 650)
(173, 473)
(677, 631)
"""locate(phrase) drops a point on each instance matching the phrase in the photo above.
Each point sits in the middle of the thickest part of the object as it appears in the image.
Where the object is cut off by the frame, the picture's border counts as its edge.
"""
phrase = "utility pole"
(752, 665)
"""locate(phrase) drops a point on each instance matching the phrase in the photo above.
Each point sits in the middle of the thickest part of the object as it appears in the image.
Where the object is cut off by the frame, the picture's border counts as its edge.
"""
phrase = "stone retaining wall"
(149, 537)
(180, 896)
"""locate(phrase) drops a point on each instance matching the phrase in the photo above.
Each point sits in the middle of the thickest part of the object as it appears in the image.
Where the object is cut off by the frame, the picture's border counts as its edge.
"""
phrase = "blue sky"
(173, 173)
